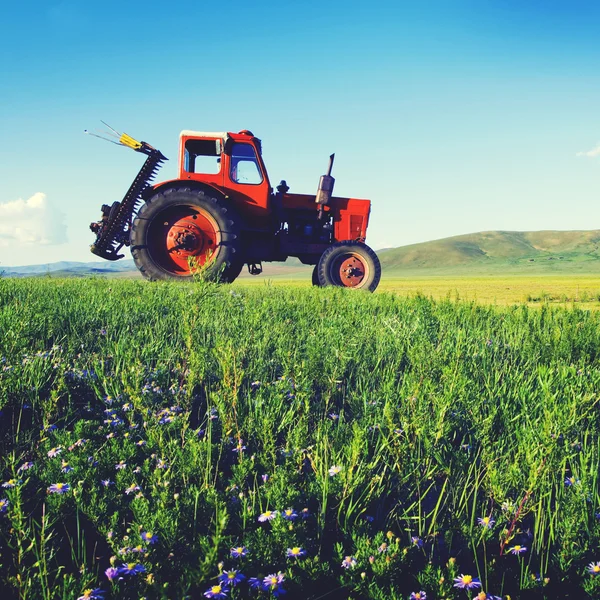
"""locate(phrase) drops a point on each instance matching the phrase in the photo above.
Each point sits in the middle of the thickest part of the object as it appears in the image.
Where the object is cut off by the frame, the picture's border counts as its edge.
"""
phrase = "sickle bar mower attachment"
(112, 230)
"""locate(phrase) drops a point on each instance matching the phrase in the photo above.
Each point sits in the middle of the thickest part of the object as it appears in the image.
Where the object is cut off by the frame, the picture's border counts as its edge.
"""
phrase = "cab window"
(203, 156)
(244, 165)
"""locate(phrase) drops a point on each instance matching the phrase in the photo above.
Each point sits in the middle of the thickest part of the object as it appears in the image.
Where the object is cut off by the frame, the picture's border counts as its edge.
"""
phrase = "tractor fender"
(178, 183)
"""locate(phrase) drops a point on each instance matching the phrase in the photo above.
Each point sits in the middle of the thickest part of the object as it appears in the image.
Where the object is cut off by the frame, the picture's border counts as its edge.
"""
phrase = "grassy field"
(182, 441)
(534, 290)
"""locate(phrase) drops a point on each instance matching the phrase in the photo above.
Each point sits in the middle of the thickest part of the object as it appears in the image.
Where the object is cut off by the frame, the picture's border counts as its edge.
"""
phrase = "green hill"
(499, 252)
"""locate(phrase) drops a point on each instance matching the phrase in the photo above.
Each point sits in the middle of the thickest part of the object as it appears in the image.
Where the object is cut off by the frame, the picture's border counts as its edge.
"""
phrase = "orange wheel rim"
(181, 235)
(350, 270)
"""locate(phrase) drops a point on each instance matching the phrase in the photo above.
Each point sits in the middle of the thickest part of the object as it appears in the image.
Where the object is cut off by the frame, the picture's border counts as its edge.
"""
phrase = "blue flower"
(268, 515)
(273, 583)
(289, 514)
(59, 488)
(131, 569)
(239, 552)
(149, 537)
(231, 577)
(90, 594)
(216, 591)
(467, 582)
(295, 552)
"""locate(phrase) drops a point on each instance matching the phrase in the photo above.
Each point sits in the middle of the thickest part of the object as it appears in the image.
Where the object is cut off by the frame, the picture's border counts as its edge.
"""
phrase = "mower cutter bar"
(112, 231)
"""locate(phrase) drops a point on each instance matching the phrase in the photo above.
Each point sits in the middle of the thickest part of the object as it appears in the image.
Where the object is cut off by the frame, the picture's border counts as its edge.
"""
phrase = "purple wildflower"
(273, 583)
(59, 488)
(239, 552)
(295, 552)
(107, 482)
(264, 478)
(54, 452)
(289, 514)
(467, 582)
(216, 591)
(305, 513)
(11, 483)
(90, 594)
(571, 481)
(594, 568)
(486, 522)
(131, 569)
(517, 549)
(132, 488)
(268, 515)
(417, 541)
(25, 467)
(66, 467)
(120, 465)
(418, 596)
(333, 471)
(4, 504)
(112, 573)
(239, 447)
(255, 583)
(349, 562)
(149, 537)
(231, 577)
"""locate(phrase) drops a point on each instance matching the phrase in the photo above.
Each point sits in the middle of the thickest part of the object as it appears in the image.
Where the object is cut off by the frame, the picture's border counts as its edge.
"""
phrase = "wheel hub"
(352, 271)
(186, 238)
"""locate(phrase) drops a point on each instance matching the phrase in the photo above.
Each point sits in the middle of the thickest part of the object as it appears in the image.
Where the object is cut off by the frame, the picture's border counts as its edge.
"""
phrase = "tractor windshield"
(244, 165)
(203, 156)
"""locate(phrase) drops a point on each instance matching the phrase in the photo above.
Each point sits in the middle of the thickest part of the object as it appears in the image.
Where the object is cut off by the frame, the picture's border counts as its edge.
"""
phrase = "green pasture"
(535, 289)
(159, 441)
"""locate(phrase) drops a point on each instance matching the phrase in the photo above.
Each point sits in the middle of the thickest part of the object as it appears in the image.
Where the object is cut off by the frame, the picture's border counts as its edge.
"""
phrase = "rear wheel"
(349, 264)
(182, 230)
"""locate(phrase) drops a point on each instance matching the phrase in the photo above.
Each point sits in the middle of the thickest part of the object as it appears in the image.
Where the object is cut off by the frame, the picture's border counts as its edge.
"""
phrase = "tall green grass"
(225, 403)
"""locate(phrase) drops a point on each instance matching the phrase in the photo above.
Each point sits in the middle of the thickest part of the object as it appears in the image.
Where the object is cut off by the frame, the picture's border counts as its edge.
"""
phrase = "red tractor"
(221, 213)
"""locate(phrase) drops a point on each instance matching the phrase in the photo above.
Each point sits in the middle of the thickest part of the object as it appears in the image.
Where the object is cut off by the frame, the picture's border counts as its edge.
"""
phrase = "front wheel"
(180, 231)
(349, 264)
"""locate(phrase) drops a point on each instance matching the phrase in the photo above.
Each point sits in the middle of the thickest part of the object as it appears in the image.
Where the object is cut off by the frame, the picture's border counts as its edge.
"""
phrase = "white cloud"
(591, 153)
(31, 221)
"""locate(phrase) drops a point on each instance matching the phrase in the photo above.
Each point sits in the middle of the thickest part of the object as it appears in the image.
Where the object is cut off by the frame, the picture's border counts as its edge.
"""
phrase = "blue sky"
(451, 116)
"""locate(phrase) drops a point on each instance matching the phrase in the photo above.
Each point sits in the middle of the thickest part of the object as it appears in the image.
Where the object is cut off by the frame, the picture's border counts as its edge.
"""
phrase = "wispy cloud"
(591, 153)
(31, 221)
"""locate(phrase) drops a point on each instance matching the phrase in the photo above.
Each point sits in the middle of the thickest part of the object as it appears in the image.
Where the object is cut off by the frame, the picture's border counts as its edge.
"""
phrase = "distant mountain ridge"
(500, 250)
(70, 268)
(487, 252)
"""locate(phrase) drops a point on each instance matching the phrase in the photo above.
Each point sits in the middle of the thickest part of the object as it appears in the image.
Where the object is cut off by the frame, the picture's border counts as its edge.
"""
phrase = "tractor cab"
(231, 162)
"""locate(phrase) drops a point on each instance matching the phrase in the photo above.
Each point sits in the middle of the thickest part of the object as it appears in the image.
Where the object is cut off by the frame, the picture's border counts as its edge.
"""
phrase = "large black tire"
(180, 223)
(315, 277)
(349, 264)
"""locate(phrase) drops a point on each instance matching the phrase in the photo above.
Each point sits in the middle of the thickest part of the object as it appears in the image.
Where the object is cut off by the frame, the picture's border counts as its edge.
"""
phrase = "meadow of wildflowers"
(191, 441)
